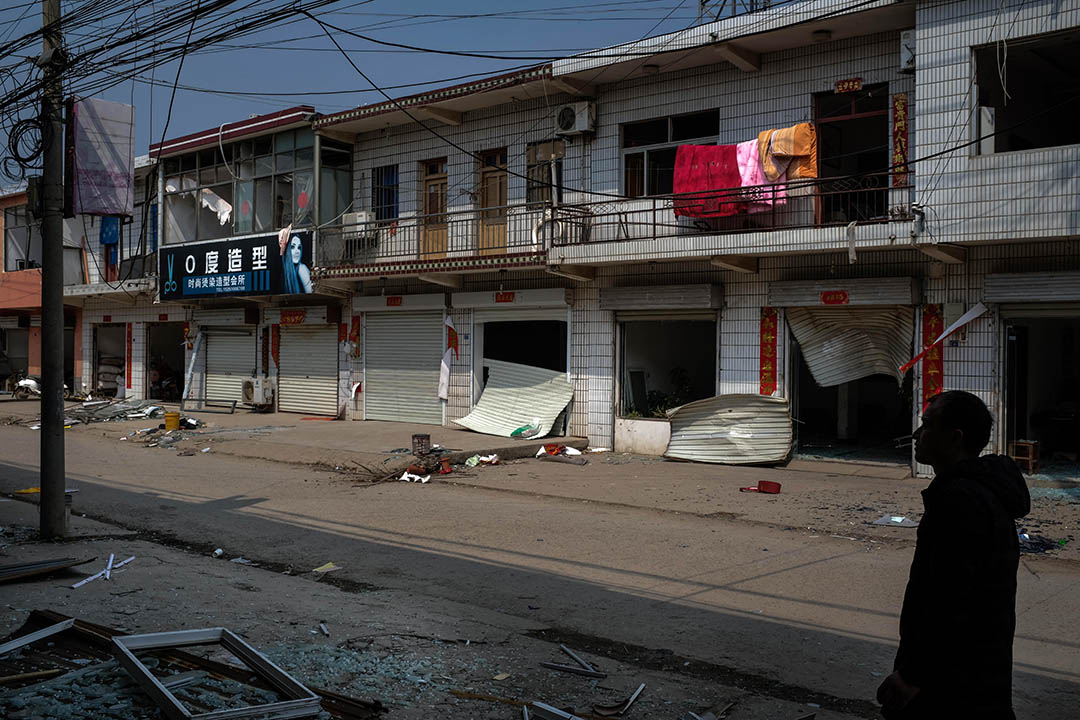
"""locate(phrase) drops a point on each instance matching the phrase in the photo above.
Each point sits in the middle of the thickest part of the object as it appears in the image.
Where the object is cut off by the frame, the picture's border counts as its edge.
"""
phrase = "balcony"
(456, 239)
(865, 199)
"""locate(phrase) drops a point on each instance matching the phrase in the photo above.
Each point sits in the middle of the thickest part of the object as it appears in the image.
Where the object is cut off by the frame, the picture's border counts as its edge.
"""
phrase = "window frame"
(537, 191)
(391, 203)
(647, 172)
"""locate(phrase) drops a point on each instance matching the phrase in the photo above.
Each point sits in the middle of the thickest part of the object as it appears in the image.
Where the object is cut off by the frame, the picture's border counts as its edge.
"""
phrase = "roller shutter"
(402, 352)
(308, 370)
(230, 359)
(845, 344)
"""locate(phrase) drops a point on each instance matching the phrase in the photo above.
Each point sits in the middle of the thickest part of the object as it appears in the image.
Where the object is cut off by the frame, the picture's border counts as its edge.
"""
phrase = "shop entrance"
(665, 363)
(165, 358)
(537, 343)
(110, 354)
(1042, 390)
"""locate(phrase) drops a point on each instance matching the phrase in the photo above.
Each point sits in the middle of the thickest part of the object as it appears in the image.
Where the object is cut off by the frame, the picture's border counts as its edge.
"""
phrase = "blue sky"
(298, 58)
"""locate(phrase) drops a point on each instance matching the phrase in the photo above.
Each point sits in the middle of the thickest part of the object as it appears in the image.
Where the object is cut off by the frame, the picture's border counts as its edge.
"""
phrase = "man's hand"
(895, 693)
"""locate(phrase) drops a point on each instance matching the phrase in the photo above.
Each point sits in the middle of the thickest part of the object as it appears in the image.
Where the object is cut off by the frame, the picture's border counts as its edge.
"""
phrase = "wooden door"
(434, 230)
(493, 202)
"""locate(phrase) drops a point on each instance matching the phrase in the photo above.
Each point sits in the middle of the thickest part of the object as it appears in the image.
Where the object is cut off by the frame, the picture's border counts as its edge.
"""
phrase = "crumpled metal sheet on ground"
(843, 344)
(519, 395)
(731, 429)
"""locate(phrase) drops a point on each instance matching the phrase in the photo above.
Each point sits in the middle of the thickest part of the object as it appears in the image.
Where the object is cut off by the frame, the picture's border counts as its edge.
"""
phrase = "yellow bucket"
(172, 421)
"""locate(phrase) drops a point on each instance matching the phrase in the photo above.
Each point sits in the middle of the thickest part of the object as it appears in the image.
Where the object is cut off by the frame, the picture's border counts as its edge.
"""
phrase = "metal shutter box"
(860, 291)
(1031, 287)
(402, 353)
(662, 297)
(308, 371)
(230, 359)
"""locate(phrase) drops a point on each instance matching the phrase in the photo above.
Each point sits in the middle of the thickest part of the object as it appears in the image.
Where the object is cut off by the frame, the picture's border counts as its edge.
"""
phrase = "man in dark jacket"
(956, 627)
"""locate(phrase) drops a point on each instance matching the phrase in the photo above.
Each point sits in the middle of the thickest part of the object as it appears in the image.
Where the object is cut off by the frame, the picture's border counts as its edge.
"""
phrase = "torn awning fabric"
(844, 344)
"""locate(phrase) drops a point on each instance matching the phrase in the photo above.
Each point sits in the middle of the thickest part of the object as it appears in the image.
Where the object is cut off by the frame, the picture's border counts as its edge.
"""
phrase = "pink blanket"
(751, 175)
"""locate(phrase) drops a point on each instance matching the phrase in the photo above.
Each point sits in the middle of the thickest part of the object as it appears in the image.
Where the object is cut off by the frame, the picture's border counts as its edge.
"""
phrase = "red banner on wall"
(933, 364)
(354, 336)
(293, 317)
(899, 139)
(275, 343)
(127, 372)
(767, 357)
(835, 297)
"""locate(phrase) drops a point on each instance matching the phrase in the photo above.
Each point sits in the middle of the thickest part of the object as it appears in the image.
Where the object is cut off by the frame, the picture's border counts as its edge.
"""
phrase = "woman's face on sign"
(295, 250)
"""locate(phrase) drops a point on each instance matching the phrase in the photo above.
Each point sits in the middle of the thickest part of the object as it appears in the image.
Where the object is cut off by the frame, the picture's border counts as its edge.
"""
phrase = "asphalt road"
(806, 612)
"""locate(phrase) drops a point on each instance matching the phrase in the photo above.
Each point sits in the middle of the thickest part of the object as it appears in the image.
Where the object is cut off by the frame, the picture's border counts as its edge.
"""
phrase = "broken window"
(1021, 90)
(335, 182)
(666, 363)
(22, 240)
(649, 149)
(540, 158)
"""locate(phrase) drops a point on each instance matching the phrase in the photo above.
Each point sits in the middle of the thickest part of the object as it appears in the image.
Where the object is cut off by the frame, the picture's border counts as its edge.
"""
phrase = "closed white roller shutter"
(402, 352)
(230, 359)
(308, 373)
(845, 344)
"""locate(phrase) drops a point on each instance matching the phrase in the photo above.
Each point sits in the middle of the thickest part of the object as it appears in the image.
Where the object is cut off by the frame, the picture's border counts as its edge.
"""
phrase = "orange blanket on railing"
(792, 150)
(707, 179)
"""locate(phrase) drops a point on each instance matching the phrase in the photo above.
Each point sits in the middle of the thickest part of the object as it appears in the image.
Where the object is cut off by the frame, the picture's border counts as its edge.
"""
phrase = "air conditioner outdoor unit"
(352, 219)
(259, 391)
(575, 118)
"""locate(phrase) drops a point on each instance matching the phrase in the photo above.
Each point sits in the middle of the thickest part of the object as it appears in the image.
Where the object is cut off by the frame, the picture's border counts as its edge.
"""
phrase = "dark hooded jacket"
(956, 628)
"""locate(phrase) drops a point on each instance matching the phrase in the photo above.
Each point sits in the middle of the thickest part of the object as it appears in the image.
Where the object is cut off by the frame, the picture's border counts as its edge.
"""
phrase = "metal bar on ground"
(35, 636)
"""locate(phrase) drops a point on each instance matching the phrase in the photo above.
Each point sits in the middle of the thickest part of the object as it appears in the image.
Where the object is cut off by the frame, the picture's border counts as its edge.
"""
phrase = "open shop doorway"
(165, 360)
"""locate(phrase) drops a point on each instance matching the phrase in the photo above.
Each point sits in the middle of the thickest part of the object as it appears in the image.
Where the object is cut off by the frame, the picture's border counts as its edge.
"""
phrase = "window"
(22, 240)
(335, 182)
(1022, 95)
(665, 364)
(853, 140)
(540, 157)
(245, 187)
(384, 192)
(649, 149)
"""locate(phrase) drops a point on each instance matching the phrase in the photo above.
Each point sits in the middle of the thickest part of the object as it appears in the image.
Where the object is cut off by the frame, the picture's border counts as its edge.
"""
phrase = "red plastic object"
(763, 486)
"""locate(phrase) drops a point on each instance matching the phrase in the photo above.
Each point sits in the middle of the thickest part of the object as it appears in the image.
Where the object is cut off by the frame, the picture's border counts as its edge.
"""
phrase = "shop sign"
(933, 363)
(293, 317)
(504, 297)
(236, 267)
(163, 317)
(106, 318)
(849, 85)
(393, 301)
(767, 355)
(899, 139)
(835, 297)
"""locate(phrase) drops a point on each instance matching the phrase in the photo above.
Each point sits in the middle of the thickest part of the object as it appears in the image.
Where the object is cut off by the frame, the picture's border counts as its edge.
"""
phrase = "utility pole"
(53, 513)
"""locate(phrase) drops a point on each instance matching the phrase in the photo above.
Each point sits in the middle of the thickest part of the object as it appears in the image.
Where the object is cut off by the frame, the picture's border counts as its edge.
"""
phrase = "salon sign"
(261, 265)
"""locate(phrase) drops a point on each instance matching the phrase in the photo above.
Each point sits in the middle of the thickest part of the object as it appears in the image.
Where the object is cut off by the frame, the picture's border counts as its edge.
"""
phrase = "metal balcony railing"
(801, 204)
(454, 234)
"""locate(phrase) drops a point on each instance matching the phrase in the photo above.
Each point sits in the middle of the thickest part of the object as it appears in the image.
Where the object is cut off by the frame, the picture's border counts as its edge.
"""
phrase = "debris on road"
(895, 521)
(1035, 544)
(328, 567)
(19, 571)
(620, 708)
(413, 477)
(574, 670)
(764, 486)
(576, 658)
(547, 712)
(501, 676)
(323, 629)
(105, 573)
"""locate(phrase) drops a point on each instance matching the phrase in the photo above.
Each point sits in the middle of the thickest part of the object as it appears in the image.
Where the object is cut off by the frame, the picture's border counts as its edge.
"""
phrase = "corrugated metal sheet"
(230, 359)
(662, 297)
(486, 315)
(1032, 287)
(308, 376)
(1039, 310)
(232, 316)
(842, 344)
(517, 395)
(851, 291)
(402, 353)
(732, 429)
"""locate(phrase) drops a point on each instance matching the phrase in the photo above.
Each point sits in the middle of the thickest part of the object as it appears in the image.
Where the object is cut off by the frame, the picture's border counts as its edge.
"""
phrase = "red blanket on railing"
(707, 178)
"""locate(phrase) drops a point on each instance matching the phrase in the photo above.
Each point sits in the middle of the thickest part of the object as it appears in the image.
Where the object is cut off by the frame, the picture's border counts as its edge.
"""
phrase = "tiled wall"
(1005, 196)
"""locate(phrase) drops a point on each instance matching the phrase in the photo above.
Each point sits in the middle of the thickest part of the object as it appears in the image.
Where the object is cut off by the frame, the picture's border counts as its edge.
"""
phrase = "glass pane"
(223, 174)
(698, 125)
(172, 166)
(283, 162)
(662, 171)
(305, 157)
(208, 158)
(649, 132)
(245, 170)
(344, 193)
(283, 201)
(634, 177)
(283, 141)
(180, 218)
(208, 176)
(303, 197)
(335, 157)
(264, 205)
(187, 162)
(245, 210)
(215, 212)
(326, 196)
(264, 166)
(246, 150)
(262, 145)
(305, 138)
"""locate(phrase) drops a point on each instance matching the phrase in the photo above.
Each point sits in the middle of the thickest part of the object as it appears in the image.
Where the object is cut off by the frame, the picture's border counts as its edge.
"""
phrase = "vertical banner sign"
(342, 332)
(275, 343)
(127, 372)
(933, 364)
(354, 336)
(900, 139)
(767, 359)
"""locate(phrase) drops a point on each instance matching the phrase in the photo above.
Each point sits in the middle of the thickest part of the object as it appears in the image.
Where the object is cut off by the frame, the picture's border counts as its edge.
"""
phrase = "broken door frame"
(302, 702)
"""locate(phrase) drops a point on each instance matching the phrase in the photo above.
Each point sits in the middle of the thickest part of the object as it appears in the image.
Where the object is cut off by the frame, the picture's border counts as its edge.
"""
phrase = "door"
(402, 352)
(433, 226)
(230, 360)
(493, 202)
(308, 374)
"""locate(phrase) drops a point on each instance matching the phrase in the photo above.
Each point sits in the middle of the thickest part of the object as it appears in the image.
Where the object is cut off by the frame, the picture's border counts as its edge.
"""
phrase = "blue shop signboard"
(260, 265)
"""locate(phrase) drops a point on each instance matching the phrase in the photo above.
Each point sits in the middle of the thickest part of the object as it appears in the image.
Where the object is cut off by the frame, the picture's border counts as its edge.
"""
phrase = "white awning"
(516, 396)
(845, 344)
